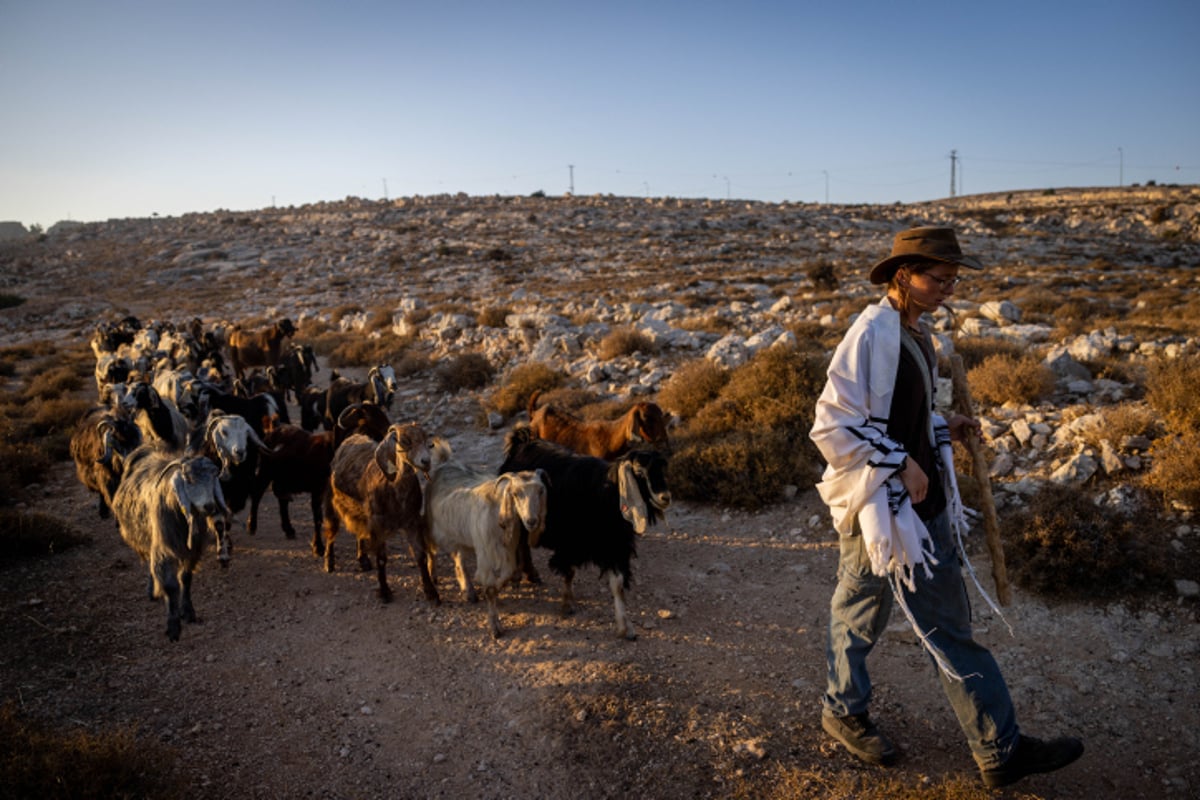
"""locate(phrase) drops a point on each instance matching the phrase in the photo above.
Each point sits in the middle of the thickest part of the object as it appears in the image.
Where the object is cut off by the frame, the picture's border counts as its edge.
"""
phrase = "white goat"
(165, 506)
(468, 509)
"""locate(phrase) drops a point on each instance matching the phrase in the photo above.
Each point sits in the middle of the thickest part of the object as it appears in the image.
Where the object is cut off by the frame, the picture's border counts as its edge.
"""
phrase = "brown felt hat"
(922, 244)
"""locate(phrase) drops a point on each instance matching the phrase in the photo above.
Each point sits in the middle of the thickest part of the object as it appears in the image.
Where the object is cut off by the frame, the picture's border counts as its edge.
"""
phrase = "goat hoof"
(384, 597)
(289, 534)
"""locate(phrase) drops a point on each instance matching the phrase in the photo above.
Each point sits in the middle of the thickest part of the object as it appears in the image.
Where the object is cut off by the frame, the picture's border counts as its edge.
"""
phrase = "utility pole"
(385, 190)
(571, 167)
(953, 164)
(1121, 153)
(826, 172)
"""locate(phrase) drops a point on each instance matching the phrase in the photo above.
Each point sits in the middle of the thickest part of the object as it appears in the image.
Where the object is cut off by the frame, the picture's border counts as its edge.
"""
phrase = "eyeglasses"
(944, 283)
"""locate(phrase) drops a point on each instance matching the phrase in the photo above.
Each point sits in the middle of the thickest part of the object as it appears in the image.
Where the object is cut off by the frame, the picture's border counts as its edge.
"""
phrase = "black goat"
(595, 510)
(295, 369)
(379, 388)
(256, 409)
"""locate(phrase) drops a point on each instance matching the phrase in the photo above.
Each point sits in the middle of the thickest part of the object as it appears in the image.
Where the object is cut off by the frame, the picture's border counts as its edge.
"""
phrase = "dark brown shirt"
(908, 420)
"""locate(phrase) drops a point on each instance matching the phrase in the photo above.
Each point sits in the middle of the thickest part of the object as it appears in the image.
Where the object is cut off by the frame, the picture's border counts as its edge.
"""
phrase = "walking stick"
(962, 401)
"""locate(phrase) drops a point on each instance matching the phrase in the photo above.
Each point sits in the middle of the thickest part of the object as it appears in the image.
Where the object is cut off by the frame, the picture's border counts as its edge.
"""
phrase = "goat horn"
(341, 420)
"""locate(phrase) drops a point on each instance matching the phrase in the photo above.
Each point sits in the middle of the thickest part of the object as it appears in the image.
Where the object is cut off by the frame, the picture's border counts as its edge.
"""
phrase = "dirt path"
(301, 684)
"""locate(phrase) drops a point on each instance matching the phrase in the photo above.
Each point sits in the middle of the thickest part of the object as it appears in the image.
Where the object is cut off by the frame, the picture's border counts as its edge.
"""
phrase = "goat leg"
(525, 559)
(364, 556)
(490, 594)
(616, 582)
(327, 547)
(171, 592)
(186, 610)
(568, 598)
(385, 591)
(464, 582)
(420, 556)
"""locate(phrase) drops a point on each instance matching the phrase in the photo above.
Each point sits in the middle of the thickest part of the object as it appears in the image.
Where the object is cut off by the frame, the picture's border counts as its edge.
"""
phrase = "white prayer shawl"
(860, 481)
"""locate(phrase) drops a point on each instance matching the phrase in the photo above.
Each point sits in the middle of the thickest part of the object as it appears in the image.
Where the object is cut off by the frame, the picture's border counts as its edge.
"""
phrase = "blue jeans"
(859, 611)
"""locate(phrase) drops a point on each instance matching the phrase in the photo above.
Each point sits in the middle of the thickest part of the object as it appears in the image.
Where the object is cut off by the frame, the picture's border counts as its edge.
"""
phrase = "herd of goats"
(192, 424)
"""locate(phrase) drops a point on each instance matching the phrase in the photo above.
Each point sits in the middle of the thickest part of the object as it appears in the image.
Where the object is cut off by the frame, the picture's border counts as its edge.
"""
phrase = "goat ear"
(633, 507)
(508, 506)
(179, 488)
(385, 455)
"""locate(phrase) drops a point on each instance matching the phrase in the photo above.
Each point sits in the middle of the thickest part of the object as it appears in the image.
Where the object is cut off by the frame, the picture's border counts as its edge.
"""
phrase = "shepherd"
(891, 490)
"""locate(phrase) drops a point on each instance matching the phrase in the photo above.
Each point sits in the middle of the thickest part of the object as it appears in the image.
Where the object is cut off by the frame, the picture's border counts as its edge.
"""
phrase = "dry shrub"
(1001, 379)
(57, 415)
(36, 761)
(822, 275)
(977, 349)
(1171, 391)
(410, 363)
(513, 396)
(740, 469)
(54, 383)
(625, 342)
(1116, 423)
(467, 371)
(1064, 545)
(494, 316)
(574, 400)
(750, 441)
(1175, 474)
(356, 350)
(25, 534)
(812, 335)
(712, 322)
(692, 386)
(22, 462)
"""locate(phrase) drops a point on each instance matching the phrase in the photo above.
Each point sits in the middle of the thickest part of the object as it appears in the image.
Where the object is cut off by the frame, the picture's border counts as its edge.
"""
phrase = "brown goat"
(298, 462)
(645, 423)
(375, 491)
(260, 348)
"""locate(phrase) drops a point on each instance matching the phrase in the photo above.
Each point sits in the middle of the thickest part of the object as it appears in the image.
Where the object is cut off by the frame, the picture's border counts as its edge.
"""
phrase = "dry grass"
(783, 782)
(38, 762)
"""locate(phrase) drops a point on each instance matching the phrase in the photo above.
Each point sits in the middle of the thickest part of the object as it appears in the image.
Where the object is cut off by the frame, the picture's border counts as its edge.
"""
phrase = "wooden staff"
(962, 401)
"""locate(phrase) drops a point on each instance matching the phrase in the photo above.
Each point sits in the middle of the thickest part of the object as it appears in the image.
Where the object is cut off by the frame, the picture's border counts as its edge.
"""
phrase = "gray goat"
(165, 506)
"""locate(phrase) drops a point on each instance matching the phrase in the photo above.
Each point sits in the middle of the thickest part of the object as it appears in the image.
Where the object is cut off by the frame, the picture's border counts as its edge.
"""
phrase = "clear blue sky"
(129, 109)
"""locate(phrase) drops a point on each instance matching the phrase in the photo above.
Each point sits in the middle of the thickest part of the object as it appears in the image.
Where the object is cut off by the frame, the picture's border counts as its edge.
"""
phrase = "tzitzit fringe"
(958, 521)
(929, 646)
